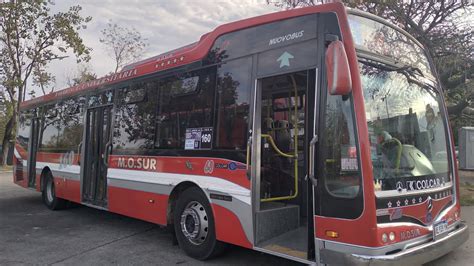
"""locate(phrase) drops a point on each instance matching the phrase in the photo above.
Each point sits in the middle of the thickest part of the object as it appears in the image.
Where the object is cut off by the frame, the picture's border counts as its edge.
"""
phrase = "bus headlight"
(384, 238)
(391, 236)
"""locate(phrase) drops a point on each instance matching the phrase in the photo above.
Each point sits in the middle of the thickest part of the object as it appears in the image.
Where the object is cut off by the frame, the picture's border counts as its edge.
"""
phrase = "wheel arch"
(174, 195)
(45, 170)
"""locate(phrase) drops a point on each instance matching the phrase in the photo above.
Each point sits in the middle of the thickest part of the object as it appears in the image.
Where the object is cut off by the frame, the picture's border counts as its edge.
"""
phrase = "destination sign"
(198, 138)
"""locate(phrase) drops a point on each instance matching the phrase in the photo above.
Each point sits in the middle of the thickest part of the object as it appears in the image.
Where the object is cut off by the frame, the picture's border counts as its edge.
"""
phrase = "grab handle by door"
(79, 147)
(107, 151)
(247, 159)
(312, 145)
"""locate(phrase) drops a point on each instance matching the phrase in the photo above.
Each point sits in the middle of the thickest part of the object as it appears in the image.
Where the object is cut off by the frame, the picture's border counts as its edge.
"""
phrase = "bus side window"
(135, 116)
(48, 138)
(234, 85)
(23, 136)
(185, 101)
(70, 124)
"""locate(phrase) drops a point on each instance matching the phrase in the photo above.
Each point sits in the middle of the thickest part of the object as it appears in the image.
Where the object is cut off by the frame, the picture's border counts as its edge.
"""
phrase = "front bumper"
(416, 255)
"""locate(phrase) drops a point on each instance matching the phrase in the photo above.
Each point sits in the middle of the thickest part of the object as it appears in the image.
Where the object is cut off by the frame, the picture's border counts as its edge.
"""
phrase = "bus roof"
(182, 56)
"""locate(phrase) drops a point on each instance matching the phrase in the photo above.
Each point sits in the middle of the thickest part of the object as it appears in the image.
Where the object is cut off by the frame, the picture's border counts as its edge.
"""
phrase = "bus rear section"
(294, 134)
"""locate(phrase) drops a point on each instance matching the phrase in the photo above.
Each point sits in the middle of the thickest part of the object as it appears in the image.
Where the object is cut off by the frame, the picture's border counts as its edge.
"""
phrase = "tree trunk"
(9, 128)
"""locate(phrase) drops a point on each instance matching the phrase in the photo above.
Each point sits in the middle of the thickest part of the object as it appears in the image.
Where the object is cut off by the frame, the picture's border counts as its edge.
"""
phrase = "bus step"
(293, 243)
(276, 221)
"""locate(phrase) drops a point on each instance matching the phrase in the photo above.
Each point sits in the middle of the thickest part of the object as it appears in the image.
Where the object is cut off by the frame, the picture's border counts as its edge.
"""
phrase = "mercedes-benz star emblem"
(399, 186)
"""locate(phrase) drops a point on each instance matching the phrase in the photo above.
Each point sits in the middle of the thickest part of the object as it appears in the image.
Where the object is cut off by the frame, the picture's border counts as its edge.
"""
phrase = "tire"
(198, 240)
(49, 194)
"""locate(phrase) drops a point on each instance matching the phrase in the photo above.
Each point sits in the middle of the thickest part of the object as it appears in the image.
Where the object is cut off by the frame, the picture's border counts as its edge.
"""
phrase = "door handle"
(312, 158)
(79, 153)
(247, 163)
(107, 150)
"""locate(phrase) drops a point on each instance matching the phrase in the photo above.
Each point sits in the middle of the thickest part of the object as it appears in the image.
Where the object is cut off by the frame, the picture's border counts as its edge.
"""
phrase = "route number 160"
(206, 138)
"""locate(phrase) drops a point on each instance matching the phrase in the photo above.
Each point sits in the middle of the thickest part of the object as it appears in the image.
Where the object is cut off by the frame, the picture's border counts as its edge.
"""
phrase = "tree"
(443, 28)
(83, 74)
(125, 45)
(42, 78)
(30, 38)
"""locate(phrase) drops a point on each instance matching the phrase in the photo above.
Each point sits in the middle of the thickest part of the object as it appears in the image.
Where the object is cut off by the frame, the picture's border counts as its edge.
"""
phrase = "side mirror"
(337, 69)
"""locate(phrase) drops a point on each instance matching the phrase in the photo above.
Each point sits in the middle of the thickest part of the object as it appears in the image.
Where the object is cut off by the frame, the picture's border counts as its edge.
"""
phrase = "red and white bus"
(317, 134)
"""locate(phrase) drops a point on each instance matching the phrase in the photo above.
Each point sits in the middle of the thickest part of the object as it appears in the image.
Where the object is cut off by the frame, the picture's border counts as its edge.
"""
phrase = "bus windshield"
(381, 39)
(406, 130)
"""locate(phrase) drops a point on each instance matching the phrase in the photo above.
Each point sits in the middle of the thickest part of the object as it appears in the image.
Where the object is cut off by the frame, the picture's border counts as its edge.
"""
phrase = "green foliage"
(83, 74)
(31, 36)
(125, 45)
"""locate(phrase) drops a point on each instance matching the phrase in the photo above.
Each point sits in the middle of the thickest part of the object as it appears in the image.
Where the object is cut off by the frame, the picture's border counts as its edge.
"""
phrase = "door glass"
(104, 133)
(95, 172)
(90, 165)
(283, 136)
(340, 192)
(34, 149)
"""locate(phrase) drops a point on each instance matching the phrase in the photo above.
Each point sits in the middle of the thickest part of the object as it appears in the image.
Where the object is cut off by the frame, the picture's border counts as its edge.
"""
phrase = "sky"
(166, 24)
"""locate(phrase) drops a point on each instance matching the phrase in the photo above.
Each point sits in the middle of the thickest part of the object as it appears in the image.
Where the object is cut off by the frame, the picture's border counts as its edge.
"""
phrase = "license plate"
(439, 228)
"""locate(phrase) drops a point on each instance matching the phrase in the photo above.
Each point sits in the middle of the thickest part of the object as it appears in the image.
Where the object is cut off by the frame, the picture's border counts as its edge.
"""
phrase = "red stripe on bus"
(232, 171)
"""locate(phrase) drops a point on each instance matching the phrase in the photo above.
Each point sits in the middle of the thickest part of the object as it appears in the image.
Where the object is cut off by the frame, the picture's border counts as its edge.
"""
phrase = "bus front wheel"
(49, 194)
(194, 225)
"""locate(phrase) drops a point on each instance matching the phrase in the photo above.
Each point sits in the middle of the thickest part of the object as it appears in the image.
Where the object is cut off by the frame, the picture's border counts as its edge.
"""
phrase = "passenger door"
(281, 112)
(34, 133)
(97, 148)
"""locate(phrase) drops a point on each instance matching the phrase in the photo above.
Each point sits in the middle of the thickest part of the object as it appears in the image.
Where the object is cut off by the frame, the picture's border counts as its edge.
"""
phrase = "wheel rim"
(50, 190)
(194, 223)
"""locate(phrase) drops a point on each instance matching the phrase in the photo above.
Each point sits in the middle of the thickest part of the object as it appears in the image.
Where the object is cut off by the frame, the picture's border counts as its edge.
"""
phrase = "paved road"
(32, 234)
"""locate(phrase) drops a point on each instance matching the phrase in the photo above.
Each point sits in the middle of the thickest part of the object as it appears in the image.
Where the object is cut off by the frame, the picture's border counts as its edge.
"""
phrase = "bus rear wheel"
(194, 225)
(49, 194)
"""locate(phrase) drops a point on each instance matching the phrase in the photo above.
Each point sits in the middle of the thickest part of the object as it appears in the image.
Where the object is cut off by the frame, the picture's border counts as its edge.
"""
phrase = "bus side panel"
(20, 182)
(20, 173)
(38, 180)
(142, 205)
(228, 227)
(73, 190)
(144, 193)
(60, 187)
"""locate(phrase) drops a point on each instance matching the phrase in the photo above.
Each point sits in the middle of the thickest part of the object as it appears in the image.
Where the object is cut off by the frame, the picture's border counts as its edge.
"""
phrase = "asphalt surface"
(32, 234)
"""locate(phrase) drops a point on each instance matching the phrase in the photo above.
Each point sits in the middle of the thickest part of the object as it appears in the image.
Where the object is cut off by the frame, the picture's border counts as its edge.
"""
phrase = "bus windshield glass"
(406, 130)
(379, 38)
